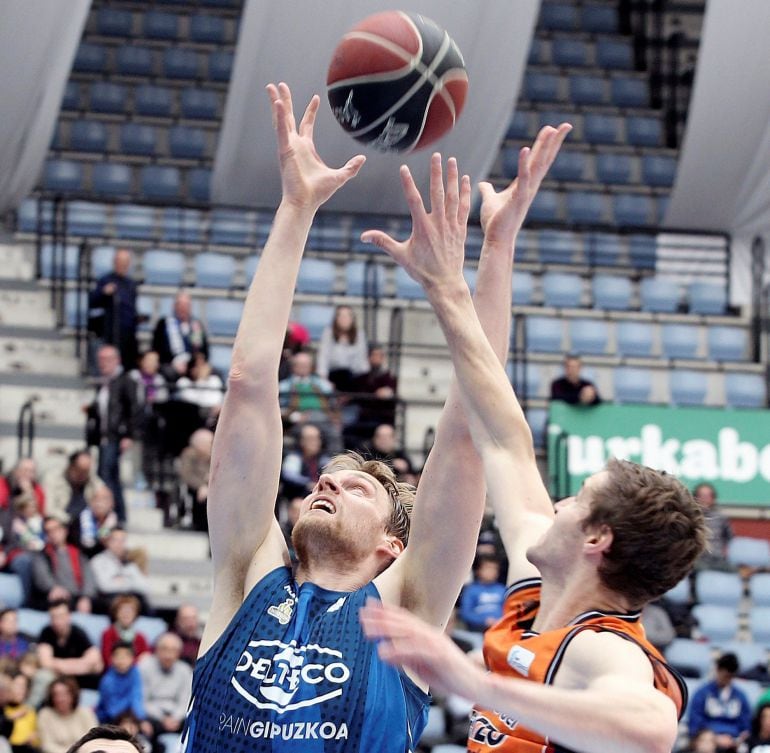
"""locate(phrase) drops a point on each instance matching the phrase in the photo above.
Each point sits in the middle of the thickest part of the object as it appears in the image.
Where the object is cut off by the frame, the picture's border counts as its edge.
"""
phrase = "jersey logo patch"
(520, 659)
(283, 611)
(337, 605)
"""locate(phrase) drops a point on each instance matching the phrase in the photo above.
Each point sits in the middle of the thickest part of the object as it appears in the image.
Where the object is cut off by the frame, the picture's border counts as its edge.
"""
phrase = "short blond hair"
(401, 494)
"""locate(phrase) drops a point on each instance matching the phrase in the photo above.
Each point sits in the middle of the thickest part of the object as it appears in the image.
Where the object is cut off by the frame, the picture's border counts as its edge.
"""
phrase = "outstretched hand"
(434, 252)
(503, 213)
(306, 180)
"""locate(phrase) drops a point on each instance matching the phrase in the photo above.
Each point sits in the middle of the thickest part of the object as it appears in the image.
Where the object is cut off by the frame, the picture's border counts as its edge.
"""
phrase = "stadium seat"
(182, 225)
(658, 170)
(759, 584)
(587, 90)
(544, 334)
(214, 270)
(88, 136)
(752, 689)
(220, 357)
(435, 727)
(561, 289)
(541, 87)
(687, 387)
(707, 298)
(691, 658)
(316, 276)
(613, 168)
(107, 97)
(11, 591)
(86, 218)
(537, 50)
(545, 207)
(155, 101)
(519, 126)
(629, 92)
(134, 221)
(633, 210)
(602, 129)
(474, 240)
(643, 251)
(526, 381)
(160, 182)
(26, 216)
(314, 317)
(569, 52)
(632, 385)
(722, 589)
(679, 340)
(71, 97)
(180, 63)
(557, 246)
(57, 259)
(63, 175)
(200, 104)
(250, 267)
(93, 625)
(599, 19)
(74, 304)
(161, 25)
(114, 22)
(717, 624)
(523, 288)
(659, 295)
(634, 339)
(680, 593)
(101, 260)
(32, 621)
(406, 287)
(558, 17)
(199, 184)
(586, 207)
(745, 390)
(133, 61)
(163, 267)
(220, 65)
(749, 552)
(614, 53)
(364, 278)
(223, 316)
(569, 165)
(111, 179)
(470, 274)
(759, 625)
(90, 58)
(139, 139)
(644, 131)
(231, 228)
(612, 292)
(537, 418)
(727, 343)
(208, 29)
(187, 143)
(589, 336)
(151, 627)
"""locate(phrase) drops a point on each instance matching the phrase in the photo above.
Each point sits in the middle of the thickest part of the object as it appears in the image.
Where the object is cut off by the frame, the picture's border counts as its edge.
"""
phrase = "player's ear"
(598, 539)
(392, 546)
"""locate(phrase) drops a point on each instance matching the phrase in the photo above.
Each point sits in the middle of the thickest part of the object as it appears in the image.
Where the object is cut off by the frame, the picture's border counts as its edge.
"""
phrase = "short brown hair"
(658, 530)
(400, 493)
(122, 600)
(104, 732)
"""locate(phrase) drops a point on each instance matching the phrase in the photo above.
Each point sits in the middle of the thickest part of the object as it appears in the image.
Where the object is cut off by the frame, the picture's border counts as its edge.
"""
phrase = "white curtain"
(293, 40)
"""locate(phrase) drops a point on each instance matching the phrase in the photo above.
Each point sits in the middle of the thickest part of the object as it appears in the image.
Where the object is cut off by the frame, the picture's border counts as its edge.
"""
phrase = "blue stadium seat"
(720, 588)
(72, 303)
(632, 385)
(199, 184)
(749, 552)
(554, 117)
(526, 381)
(163, 267)
(180, 63)
(569, 52)
(57, 141)
(214, 270)
(557, 246)
(63, 175)
(633, 210)
(93, 625)
(687, 387)
(519, 126)
(523, 288)
(536, 54)
(470, 274)
(545, 207)
(102, 258)
(86, 218)
(569, 165)
(137, 138)
(182, 225)
(707, 298)
(537, 418)
(133, 61)
(745, 390)
(186, 142)
(151, 627)
(90, 58)
(32, 621)
(614, 53)
(156, 101)
(599, 19)
(659, 295)
(759, 583)
(55, 259)
(509, 164)
(316, 276)
(221, 3)
(680, 593)
(604, 250)
(220, 358)
(611, 292)
(474, 240)
(749, 655)
(220, 65)
(145, 307)
(161, 25)
(209, 29)
(111, 179)
(200, 104)
(11, 591)
(71, 97)
(560, 289)
(679, 340)
(108, 97)
(406, 287)
(589, 336)
(586, 207)
(134, 221)
(634, 339)
(544, 334)
(231, 228)
(587, 90)
(691, 658)
(113, 22)
(718, 624)
(541, 87)
(160, 182)
(629, 92)
(364, 278)
(643, 251)
(644, 131)
(315, 317)
(558, 17)
(88, 136)
(727, 343)
(658, 170)
(26, 216)
(613, 168)
(602, 129)
(759, 625)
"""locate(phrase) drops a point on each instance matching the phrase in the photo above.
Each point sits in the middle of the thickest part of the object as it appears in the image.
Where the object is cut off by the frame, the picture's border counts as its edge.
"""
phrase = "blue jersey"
(294, 672)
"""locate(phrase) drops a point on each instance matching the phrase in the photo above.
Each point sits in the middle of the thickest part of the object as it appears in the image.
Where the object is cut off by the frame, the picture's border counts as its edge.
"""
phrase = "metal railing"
(25, 430)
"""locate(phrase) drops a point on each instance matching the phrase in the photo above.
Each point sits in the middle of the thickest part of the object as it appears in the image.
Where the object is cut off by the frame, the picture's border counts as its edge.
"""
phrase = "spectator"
(377, 403)
(721, 707)
(481, 601)
(759, 740)
(720, 530)
(302, 467)
(187, 626)
(201, 386)
(64, 648)
(131, 725)
(193, 468)
(573, 388)
(117, 740)
(112, 308)
(6, 725)
(704, 741)
(61, 571)
(12, 643)
(25, 538)
(167, 682)
(117, 574)
(68, 493)
(21, 483)
(177, 338)
(63, 720)
(23, 737)
(124, 612)
(384, 446)
(342, 351)
(297, 339)
(112, 421)
(90, 529)
(120, 688)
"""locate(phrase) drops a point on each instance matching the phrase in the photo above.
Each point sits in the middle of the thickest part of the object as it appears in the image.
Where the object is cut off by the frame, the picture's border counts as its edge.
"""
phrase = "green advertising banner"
(728, 448)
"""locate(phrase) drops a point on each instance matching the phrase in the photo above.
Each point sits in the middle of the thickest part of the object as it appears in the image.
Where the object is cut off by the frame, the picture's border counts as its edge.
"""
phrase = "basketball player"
(580, 574)
(284, 665)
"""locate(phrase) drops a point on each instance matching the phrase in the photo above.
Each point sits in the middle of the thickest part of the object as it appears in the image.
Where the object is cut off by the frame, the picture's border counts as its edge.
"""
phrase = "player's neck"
(333, 576)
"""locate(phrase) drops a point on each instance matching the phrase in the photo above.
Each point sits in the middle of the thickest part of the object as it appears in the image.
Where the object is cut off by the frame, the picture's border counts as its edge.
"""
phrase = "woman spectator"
(759, 740)
(63, 721)
(23, 738)
(124, 611)
(343, 351)
(22, 483)
(201, 386)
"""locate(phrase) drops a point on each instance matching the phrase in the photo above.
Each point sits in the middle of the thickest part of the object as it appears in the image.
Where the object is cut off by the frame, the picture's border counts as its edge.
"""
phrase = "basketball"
(397, 82)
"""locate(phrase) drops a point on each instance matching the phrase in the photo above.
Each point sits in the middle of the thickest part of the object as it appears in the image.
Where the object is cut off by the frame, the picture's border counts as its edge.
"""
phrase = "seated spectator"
(128, 723)
(704, 741)
(12, 643)
(167, 682)
(61, 571)
(68, 492)
(21, 483)
(722, 707)
(379, 385)
(90, 529)
(201, 386)
(124, 611)
(62, 721)
(301, 467)
(719, 529)
(572, 388)
(384, 446)
(481, 601)
(342, 351)
(177, 338)
(187, 626)
(64, 648)
(25, 538)
(193, 468)
(116, 573)
(120, 688)
(23, 737)
(297, 339)
(759, 739)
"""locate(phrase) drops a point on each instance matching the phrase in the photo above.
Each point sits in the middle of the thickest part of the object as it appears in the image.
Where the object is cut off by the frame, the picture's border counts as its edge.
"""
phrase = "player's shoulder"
(592, 653)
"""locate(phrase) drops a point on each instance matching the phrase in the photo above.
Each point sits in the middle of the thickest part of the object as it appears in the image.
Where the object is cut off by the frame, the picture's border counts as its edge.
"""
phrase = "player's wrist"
(296, 210)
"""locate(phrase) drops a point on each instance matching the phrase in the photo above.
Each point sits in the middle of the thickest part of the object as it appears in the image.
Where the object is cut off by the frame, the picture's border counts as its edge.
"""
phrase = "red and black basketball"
(397, 81)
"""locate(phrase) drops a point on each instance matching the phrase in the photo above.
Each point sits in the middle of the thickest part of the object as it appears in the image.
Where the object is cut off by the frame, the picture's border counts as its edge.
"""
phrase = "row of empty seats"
(168, 26)
(578, 52)
(588, 17)
(617, 89)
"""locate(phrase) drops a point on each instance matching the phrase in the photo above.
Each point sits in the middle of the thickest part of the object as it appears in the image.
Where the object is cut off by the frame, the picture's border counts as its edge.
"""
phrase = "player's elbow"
(659, 731)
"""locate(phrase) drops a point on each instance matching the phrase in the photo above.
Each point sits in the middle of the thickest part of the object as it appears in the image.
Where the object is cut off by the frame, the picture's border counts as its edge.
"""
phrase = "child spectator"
(27, 525)
(124, 611)
(62, 721)
(12, 643)
(23, 738)
(120, 688)
(481, 602)
(94, 523)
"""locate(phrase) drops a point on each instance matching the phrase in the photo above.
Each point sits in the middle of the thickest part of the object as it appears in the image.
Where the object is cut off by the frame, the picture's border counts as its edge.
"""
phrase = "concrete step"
(29, 350)
(172, 544)
(16, 262)
(26, 308)
(180, 585)
(53, 405)
(143, 519)
(51, 448)
(168, 568)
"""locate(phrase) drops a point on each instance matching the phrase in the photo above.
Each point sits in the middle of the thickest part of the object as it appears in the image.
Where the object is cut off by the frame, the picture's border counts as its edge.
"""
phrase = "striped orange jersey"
(512, 648)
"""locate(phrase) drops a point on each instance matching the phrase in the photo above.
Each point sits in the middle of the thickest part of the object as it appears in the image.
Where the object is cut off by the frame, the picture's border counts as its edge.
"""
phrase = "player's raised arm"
(246, 457)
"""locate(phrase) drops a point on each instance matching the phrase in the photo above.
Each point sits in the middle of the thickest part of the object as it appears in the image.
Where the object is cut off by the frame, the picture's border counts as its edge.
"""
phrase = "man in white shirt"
(115, 574)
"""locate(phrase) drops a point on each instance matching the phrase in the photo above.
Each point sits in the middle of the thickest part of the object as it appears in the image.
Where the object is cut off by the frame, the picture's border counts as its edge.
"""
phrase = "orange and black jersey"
(512, 648)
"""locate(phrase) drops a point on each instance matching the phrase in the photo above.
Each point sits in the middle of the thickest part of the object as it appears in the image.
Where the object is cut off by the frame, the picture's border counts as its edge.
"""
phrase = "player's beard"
(323, 541)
